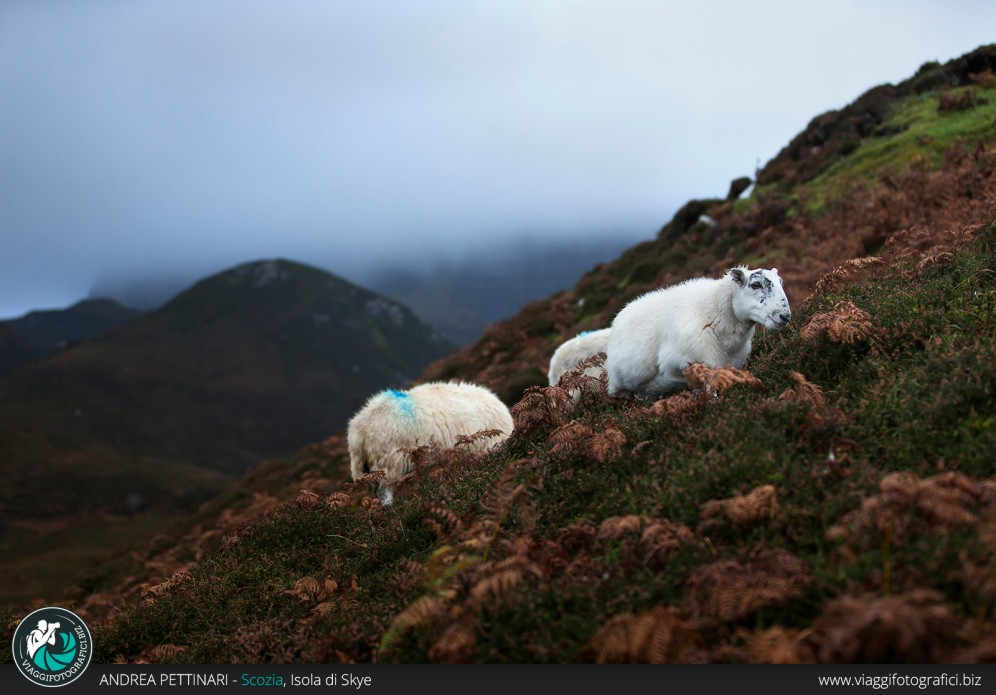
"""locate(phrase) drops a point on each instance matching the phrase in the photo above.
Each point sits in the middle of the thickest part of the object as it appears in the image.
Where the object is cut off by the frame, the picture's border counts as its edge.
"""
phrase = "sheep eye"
(755, 285)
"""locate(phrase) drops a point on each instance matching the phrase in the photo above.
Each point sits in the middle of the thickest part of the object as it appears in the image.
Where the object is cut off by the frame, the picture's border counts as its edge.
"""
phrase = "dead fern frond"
(338, 500)
(844, 323)
(262, 505)
(423, 610)
(913, 628)
(579, 536)
(151, 593)
(469, 439)
(804, 392)
(322, 609)
(542, 405)
(493, 587)
(658, 636)
(310, 590)
(848, 271)
(731, 590)
(455, 645)
(577, 438)
(505, 497)
(615, 527)
(365, 481)
(682, 402)
(162, 653)
(588, 383)
(607, 445)
(661, 538)
(935, 260)
(821, 416)
(942, 500)
(759, 504)
(444, 515)
(777, 645)
(307, 499)
(566, 437)
(715, 380)
(656, 539)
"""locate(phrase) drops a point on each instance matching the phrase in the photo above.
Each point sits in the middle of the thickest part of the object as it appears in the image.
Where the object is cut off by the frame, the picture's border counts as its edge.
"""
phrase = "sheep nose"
(784, 317)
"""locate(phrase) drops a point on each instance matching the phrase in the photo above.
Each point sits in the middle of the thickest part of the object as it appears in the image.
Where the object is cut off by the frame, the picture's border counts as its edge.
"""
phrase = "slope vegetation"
(836, 503)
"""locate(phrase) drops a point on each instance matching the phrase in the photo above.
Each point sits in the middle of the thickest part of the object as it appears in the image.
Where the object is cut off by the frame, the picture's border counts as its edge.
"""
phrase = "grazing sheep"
(580, 347)
(656, 336)
(434, 413)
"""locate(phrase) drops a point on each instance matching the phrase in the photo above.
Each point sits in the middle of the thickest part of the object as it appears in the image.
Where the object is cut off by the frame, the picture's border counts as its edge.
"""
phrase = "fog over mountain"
(150, 143)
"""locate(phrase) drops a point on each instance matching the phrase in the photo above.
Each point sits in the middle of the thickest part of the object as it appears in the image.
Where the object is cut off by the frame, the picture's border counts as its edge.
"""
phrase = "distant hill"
(14, 352)
(252, 362)
(162, 412)
(47, 331)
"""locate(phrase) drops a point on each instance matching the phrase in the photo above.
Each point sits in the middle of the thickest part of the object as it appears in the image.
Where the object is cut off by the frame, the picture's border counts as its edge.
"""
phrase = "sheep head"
(759, 296)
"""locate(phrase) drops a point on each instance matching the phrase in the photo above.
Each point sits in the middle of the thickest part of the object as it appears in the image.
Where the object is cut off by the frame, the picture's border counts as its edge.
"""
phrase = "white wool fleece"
(433, 413)
(711, 321)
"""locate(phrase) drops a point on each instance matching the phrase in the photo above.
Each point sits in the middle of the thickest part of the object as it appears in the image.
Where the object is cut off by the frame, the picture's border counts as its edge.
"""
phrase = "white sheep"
(656, 336)
(580, 347)
(433, 413)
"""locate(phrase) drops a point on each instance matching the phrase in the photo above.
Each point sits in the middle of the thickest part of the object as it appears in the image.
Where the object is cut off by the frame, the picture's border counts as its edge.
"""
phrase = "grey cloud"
(177, 137)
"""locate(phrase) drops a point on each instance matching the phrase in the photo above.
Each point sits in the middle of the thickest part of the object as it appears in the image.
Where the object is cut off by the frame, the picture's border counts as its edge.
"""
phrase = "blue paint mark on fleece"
(405, 405)
(584, 333)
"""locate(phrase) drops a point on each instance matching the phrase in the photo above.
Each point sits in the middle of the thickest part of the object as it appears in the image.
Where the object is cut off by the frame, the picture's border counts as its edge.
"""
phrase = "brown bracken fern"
(577, 438)
(542, 405)
(759, 504)
(942, 500)
(914, 628)
(733, 590)
(715, 380)
(844, 323)
(658, 636)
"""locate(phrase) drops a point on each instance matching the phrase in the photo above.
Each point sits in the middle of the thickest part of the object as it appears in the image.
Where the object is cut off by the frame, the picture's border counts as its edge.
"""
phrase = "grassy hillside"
(834, 503)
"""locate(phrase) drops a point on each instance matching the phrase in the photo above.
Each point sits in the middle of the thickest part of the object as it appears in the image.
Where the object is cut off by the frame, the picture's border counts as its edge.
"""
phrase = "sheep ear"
(738, 276)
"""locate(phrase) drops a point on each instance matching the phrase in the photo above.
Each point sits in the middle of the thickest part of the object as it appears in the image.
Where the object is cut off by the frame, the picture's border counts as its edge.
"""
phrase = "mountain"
(834, 503)
(45, 332)
(164, 411)
(14, 352)
(460, 298)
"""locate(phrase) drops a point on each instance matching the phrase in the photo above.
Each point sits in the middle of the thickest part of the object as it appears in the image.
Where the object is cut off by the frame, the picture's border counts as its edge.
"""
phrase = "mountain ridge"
(47, 331)
(159, 414)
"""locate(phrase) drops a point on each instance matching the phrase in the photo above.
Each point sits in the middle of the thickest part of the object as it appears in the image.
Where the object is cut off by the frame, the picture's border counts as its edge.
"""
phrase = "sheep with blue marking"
(711, 321)
(433, 413)
(582, 346)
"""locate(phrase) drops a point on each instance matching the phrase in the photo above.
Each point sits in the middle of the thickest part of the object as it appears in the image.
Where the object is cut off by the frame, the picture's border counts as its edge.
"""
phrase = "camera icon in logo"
(52, 646)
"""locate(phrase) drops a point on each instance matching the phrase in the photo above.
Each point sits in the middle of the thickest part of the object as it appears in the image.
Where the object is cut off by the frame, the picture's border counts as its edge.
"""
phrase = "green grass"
(917, 396)
(917, 132)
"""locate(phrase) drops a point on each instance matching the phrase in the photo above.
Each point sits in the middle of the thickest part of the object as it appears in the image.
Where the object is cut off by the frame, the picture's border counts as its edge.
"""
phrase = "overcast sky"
(141, 140)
